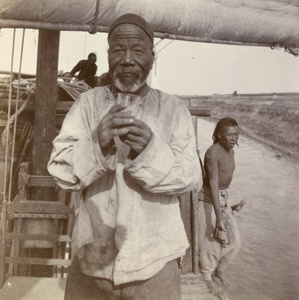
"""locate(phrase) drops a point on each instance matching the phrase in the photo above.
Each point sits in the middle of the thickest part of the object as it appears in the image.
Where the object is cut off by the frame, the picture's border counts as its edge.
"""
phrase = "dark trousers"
(165, 285)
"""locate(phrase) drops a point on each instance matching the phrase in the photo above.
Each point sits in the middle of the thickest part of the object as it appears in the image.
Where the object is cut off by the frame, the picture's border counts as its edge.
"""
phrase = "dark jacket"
(87, 72)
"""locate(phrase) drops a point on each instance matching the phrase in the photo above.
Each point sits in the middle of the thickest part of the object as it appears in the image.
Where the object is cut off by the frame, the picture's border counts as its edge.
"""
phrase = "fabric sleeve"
(76, 68)
(77, 160)
(170, 168)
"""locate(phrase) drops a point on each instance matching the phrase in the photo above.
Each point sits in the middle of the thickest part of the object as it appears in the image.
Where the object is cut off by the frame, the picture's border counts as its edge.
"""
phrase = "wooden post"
(186, 214)
(44, 132)
(45, 103)
(194, 225)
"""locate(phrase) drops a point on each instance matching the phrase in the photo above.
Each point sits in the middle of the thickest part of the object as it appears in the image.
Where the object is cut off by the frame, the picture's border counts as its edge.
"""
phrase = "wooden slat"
(200, 112)
(23, 75)
(34, 206)
(185, 207)
(43, 181)
(38, 216)
(194, 224)
(194, 288)
(38, 261)
(62, 107)
(40, 237)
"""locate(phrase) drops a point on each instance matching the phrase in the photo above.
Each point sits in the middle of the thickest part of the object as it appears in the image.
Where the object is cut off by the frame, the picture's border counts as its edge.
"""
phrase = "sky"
(183, 68)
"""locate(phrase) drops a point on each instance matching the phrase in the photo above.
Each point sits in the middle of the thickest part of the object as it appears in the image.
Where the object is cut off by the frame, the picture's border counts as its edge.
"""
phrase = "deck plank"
(31, 288)
(194, 288)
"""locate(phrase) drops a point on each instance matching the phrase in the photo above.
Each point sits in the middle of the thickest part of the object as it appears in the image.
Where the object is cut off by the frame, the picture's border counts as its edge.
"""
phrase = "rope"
(16, 120)
(93, 26)
(294, 51)
(4, 203)
(161, 40)
(8, 118)
(11, 120)
(164, 47)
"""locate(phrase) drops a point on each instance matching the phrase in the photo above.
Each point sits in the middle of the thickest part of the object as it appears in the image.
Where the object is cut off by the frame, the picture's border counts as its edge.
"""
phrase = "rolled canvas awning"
(256, 22)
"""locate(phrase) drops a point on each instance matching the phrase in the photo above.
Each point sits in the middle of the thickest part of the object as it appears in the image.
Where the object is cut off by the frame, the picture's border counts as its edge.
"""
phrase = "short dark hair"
(90, 55)
(221, 124)
(67, 74)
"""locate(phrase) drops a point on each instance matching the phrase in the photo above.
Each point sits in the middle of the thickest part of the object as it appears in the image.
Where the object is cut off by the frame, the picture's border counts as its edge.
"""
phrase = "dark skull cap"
(133, 19)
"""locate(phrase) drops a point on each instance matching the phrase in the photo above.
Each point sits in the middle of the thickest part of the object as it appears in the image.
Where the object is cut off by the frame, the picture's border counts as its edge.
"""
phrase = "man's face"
(93, 59)
(229, 136)
(67, 77)
(130, 57)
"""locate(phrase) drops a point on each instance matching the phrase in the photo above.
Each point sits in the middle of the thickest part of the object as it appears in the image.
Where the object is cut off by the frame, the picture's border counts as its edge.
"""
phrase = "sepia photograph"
(149, 150)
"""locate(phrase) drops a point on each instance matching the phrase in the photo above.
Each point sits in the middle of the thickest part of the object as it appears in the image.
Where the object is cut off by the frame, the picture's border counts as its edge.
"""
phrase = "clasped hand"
(221, 223)
(131, 131)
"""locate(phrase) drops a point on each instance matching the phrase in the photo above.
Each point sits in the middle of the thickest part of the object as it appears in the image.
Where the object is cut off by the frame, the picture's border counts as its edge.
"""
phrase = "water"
(267, 266)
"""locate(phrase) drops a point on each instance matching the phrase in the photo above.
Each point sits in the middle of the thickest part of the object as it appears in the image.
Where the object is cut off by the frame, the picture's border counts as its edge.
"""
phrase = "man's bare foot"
(213, 287)
(224, 281)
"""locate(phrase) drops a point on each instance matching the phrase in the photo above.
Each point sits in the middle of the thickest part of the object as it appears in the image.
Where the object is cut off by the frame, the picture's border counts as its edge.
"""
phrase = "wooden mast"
(45, 104)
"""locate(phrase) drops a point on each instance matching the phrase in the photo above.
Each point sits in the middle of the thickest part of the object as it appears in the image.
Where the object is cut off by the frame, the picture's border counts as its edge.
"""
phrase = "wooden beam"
(40, 207)
(38, 261)
(199, 112)
(23, 75)
(63, 107)
(186, 214)
(38, 237)
(45, 100)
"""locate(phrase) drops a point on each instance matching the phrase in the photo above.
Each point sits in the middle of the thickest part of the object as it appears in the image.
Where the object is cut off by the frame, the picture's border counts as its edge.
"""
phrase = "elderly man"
(129, 164)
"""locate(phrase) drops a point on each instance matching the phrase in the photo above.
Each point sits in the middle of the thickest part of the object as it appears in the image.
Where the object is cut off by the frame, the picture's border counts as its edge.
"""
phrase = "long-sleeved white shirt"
(129, 224)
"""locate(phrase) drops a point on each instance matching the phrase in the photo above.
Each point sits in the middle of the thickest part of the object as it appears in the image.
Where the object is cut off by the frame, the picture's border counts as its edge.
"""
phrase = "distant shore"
(272, 119)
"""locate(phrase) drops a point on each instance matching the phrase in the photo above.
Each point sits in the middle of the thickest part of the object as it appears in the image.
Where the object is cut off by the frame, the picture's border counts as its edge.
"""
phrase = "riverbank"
(272, 119)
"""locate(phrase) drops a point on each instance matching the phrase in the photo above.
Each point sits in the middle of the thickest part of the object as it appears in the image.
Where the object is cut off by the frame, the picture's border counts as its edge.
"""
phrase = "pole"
(45, 104)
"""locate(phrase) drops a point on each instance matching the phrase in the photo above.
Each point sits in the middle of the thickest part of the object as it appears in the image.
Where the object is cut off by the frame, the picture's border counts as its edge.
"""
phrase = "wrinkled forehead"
(128, 31)
(230, 129)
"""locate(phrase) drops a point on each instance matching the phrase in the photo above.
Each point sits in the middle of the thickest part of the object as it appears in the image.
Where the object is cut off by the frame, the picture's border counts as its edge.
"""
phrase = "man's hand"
(221, 223)
(115, 123)
(138, 137)
(222, 226)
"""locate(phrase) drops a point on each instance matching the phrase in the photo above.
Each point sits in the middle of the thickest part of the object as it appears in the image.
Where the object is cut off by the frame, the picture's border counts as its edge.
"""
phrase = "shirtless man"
(219, 239)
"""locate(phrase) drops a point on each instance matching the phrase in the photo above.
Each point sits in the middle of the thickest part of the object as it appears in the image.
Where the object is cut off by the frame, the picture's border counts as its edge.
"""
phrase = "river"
(267, 266)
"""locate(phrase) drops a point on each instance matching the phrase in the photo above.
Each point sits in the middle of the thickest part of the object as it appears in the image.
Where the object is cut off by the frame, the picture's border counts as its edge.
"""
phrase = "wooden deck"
(194, 288)
(31, 288)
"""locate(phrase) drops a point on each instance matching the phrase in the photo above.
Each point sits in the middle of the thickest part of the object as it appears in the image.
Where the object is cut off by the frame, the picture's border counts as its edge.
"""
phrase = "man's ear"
(153, 59)
(219, 135)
